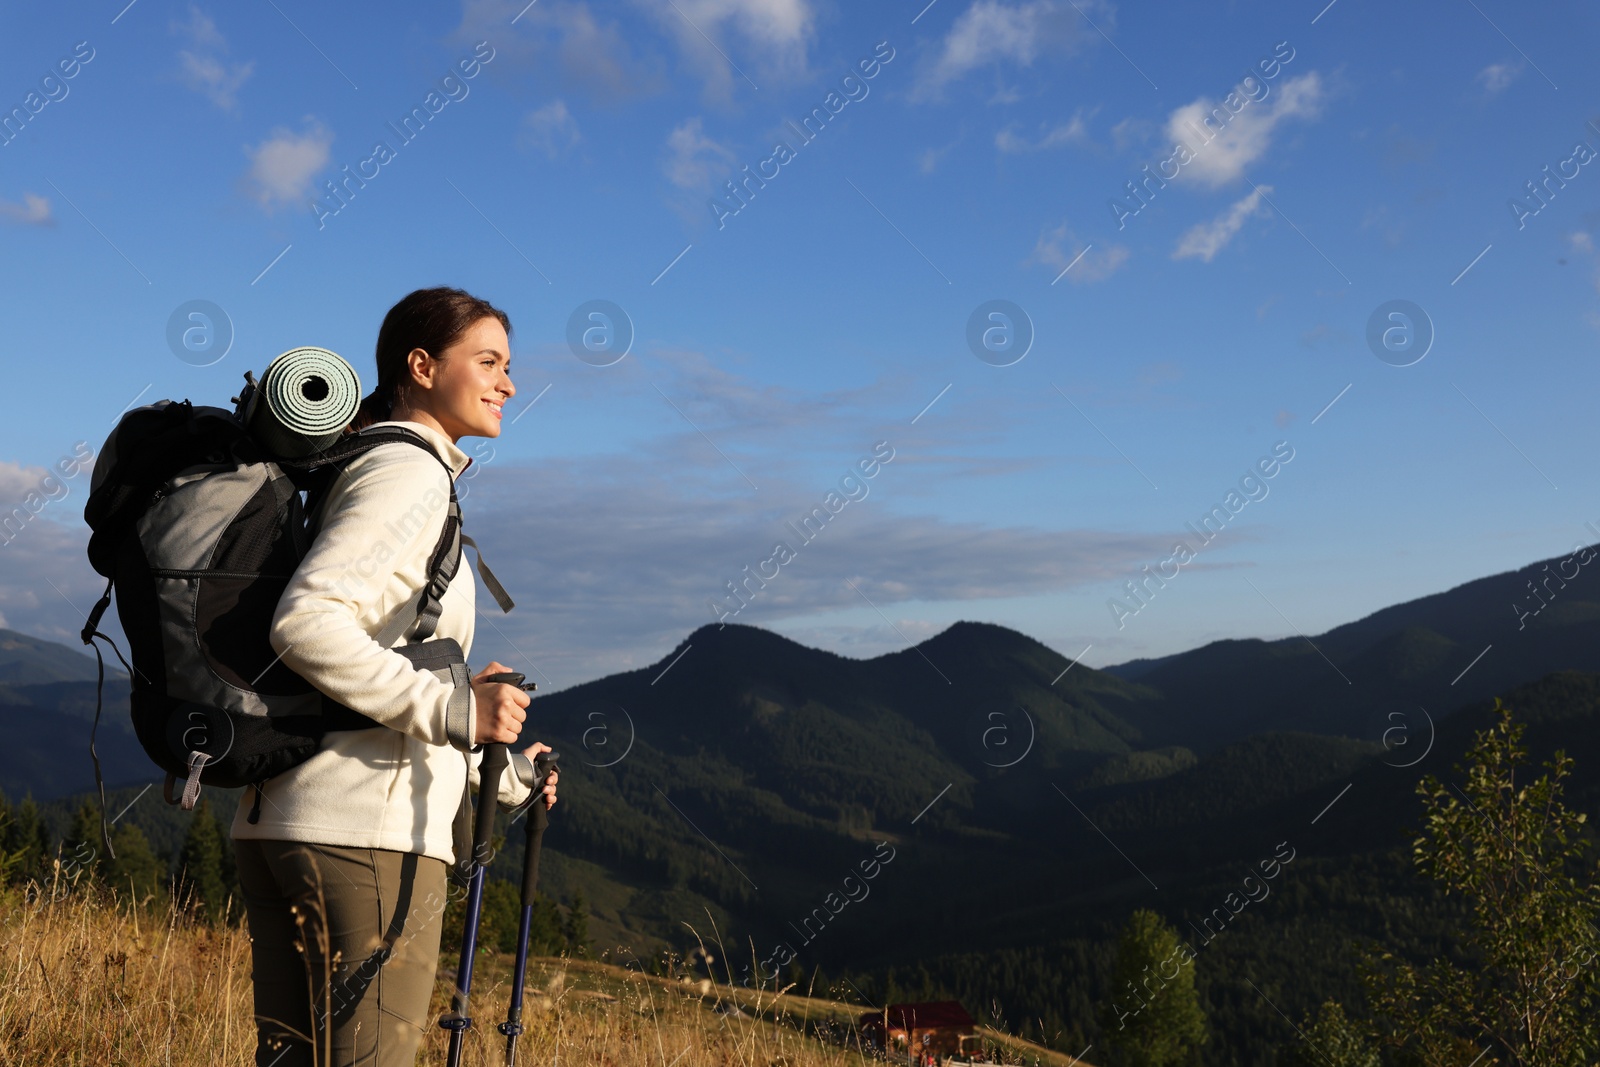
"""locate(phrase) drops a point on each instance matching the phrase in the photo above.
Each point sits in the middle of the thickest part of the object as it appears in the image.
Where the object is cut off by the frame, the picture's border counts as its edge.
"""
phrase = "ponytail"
(376, 406)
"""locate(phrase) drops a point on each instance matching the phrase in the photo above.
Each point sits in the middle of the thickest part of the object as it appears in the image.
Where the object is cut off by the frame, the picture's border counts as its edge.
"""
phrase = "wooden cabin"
(941, 1027)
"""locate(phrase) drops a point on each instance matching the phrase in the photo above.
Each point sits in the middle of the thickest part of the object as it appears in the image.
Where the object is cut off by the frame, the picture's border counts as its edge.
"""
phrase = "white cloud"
(624, 575)
(929, 159)
(551, 129)
(563, 45)
(594, 54)
(1497, 76)
(1074, 130)
(204, 66)
(695, 160)
(34, 210)
(765, 38)
(580, 49)
(1060, 248)
(635, 570)
(214, 78)
(17, 481)
(282, 166)
(1237, 138)
(201, 30)
(992, 32)
(47, 547)
(778, 24)
(1128, 132)
(1207, 239)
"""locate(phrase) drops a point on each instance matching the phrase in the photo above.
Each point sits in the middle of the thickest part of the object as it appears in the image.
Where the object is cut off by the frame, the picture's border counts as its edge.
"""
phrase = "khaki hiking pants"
(365, 979)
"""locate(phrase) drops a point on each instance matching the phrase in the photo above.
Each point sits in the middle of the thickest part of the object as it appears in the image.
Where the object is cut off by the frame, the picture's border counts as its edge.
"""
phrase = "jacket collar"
(447, 449)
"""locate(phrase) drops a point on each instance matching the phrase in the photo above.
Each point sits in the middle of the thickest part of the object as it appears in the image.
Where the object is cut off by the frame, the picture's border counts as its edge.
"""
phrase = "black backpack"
(198, 529)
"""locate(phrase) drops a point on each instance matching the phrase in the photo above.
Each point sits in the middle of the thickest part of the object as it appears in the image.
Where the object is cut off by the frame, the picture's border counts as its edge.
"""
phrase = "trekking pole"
(495, 759)
(538, 819)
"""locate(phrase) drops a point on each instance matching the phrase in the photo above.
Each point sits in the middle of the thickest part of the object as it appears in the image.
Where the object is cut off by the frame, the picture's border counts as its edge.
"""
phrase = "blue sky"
(1374, 154)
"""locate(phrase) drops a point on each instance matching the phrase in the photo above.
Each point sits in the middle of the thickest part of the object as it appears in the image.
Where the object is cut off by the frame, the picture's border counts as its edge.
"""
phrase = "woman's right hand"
(498, 714)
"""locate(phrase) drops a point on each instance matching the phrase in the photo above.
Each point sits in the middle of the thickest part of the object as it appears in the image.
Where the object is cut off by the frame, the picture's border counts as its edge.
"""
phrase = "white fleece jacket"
(396, 787)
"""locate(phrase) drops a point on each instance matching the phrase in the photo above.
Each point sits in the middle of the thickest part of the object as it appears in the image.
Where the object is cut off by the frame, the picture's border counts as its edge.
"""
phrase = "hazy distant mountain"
(27, 660)
(1353, 679)
(47, 731)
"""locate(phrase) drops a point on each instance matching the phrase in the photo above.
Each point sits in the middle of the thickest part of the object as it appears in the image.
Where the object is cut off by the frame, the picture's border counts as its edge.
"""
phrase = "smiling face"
(461, 390)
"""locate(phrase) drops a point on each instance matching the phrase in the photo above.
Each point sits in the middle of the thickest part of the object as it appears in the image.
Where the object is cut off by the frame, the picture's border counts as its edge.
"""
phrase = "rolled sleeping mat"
(304, 401)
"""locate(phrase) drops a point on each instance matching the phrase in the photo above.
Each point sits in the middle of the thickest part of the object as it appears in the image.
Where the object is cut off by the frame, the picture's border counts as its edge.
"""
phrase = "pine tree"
(136, 871)
(576, 928)
(500, 916)
(80, 849)
(8, 859)
(1153, 1017)
(27, 838)
(546, 937)
(200, 883)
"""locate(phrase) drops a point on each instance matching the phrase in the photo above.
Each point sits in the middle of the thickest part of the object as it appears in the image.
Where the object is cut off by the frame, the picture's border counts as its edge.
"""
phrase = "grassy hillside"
(86, 979)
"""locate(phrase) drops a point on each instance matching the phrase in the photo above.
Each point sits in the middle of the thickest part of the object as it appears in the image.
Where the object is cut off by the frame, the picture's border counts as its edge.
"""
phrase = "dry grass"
(83, 982)
(582, 1012)
(85, 979)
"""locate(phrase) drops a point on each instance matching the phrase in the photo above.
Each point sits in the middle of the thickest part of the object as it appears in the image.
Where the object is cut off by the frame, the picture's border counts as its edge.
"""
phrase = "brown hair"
(429, 319)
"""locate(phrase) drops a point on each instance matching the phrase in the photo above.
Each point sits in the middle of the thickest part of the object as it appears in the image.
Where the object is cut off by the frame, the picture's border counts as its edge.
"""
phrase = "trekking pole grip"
(538, 820)
(495, 761)
(496, 758)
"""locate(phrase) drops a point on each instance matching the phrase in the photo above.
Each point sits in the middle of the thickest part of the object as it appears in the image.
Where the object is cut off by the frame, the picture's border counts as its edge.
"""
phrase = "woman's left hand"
(532, 752)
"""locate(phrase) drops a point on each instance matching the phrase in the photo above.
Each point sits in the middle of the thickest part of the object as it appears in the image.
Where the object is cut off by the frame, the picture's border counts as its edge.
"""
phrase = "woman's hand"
(532, 752)
(499, 713)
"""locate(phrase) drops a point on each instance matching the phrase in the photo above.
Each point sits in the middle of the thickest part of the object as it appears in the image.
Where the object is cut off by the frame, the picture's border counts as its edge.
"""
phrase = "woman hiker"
(343, 872)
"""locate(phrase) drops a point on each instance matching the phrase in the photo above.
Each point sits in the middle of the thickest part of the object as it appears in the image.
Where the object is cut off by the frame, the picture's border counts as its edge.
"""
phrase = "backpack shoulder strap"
(354, 444)
(316, 473)
(446, 558)
(442, 570)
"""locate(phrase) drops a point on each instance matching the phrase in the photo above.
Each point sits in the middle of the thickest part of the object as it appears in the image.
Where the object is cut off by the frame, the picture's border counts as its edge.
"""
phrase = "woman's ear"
(417, 365)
